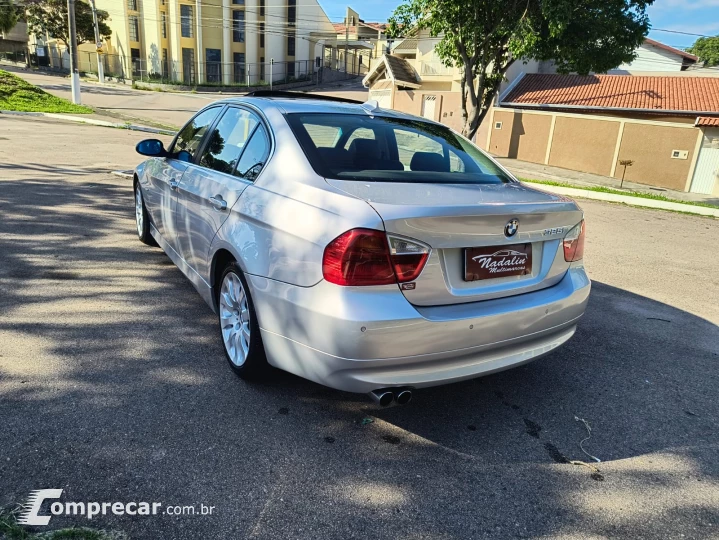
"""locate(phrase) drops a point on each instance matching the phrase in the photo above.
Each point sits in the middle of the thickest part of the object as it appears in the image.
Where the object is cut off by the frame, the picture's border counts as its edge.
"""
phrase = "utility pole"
(347, 36)
(98, 43)
(74, 68)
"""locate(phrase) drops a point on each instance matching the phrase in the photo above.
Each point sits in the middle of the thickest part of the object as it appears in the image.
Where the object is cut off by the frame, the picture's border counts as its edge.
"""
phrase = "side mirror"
(151, 147)
(183, 155)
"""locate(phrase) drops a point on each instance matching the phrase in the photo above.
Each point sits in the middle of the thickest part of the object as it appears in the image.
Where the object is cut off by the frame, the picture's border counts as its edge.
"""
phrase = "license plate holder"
(490, 262)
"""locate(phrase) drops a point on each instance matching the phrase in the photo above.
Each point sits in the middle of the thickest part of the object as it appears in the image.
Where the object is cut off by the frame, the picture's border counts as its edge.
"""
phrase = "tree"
(485, 37)
(8, 15)
(50, 16)
(707, 49)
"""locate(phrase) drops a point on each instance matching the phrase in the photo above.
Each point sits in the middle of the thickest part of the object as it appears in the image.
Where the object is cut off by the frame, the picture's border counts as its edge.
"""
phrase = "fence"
(188, 71)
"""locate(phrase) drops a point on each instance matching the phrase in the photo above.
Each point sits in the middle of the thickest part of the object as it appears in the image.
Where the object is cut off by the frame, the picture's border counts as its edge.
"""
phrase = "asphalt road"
(165, 108)
(113, 387)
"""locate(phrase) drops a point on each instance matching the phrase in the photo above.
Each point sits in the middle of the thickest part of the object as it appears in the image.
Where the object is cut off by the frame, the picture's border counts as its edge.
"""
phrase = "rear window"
(377, 149)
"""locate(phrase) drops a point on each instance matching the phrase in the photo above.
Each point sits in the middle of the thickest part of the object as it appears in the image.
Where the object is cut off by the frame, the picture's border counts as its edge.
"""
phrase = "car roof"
(309, 105)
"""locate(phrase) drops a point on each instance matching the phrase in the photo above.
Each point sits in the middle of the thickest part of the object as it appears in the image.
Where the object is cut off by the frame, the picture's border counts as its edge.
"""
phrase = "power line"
(679, 32)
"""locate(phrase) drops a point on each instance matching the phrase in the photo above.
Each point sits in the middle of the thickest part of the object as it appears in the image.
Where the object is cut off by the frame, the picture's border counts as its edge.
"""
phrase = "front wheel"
(239, 329)
(142, 220)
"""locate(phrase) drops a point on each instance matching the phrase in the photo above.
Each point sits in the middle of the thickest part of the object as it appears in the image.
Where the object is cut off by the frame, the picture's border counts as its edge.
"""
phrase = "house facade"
(667, 127)
(15, 40)
(662, 123)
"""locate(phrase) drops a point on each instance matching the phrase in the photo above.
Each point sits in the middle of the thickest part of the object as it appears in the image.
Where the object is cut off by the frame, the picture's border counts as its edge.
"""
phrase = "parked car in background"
(361, 248)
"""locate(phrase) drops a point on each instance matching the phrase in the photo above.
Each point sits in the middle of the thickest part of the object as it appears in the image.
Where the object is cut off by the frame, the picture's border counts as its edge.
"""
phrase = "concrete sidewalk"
(535, 171)
(167, 110)
(122, 102)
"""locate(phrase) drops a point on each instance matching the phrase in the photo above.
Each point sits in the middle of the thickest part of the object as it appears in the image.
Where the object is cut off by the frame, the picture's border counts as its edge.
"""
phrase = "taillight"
(365, 257)
(574, 243)
(408, 258)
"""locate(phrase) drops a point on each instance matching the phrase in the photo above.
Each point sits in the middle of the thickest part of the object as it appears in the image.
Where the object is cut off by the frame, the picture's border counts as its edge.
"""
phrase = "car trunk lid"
(463, 221)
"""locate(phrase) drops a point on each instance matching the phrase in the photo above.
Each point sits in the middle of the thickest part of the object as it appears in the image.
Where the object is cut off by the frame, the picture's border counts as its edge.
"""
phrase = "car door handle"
(174, 184)
(218, 202)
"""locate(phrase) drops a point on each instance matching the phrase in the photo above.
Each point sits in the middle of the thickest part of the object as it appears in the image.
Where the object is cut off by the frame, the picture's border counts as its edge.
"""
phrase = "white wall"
(651, 58)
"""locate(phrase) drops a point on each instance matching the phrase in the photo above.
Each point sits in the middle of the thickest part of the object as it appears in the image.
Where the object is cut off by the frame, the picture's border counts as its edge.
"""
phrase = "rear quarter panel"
(281, 224)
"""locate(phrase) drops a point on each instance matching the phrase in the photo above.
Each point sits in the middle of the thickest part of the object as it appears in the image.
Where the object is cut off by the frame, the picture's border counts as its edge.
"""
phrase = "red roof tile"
(707, 121)
(596, 92)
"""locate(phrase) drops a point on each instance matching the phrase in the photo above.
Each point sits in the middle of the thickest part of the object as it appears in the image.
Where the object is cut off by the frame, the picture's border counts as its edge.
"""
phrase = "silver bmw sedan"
(361, 248)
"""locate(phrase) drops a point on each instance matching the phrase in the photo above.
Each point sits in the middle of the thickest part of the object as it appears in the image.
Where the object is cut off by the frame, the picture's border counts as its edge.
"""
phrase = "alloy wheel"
(139, 217)
(235, 319)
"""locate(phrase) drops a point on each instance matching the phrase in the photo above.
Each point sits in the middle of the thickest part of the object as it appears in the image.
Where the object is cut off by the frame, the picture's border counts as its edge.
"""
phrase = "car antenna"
(370, 105)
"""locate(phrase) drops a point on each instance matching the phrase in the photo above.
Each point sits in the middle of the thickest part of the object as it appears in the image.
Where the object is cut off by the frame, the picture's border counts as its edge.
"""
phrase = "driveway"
(114, 387)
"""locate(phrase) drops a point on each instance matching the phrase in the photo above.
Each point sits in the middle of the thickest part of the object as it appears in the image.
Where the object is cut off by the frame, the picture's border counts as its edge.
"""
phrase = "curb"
(626, 199)
(92, 121)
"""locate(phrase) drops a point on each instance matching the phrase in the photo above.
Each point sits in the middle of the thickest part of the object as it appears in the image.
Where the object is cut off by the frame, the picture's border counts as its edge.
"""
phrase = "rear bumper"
(358, 340)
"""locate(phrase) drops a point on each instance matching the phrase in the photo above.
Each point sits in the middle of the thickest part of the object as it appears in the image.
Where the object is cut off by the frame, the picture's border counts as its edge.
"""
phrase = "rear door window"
(255, 155)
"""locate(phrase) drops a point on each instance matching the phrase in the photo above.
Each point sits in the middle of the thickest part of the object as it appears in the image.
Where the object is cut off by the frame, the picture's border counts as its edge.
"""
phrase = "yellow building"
(215, 41)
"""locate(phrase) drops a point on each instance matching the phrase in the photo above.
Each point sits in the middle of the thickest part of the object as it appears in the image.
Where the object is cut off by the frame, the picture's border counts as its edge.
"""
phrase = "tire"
(142, 219)
(239, 329)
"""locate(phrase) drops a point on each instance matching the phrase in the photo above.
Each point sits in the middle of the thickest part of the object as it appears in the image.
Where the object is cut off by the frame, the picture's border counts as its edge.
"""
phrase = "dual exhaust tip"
(386, 396)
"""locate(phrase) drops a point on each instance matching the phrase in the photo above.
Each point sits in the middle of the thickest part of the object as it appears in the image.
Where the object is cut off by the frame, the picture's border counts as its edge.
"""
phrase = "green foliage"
(707, 49)
(9, 15)
(484, 37)
(50, 16)
(16, 94)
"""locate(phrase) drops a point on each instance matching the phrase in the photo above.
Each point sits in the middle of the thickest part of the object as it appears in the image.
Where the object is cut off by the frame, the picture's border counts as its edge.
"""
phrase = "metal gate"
(428, 107)
(706, 172)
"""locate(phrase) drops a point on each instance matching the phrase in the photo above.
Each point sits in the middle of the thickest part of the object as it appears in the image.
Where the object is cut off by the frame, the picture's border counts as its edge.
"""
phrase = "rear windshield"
(377, 149)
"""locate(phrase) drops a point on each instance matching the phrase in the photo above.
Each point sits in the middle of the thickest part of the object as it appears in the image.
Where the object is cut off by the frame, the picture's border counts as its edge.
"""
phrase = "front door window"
(189, 138)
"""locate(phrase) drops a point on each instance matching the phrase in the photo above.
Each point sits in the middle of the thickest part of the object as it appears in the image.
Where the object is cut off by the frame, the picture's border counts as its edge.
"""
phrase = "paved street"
(166, 108)
(114, 387)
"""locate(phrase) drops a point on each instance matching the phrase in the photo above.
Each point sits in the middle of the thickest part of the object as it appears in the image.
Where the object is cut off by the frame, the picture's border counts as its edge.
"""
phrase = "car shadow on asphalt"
(114, 381)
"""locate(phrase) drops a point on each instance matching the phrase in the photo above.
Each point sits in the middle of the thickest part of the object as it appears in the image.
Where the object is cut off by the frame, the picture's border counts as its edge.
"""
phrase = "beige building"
(212, 41)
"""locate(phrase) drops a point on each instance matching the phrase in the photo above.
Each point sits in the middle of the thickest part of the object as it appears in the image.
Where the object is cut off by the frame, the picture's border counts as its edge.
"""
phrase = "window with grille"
(262, 7)
(132, 5)
(134, 23)
(290, 69)
(239, 2)
(164, 25)
(291, 44)
(262, 35)
(165, 63)
(186, 21)
(238, 26)
(239, 66)
(291, 11)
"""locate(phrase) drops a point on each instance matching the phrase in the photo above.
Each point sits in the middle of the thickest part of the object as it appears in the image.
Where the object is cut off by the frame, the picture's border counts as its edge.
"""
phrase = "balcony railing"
(435, 68)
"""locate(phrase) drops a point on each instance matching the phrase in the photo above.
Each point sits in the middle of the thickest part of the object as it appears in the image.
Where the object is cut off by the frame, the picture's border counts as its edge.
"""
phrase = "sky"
(692, 16)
